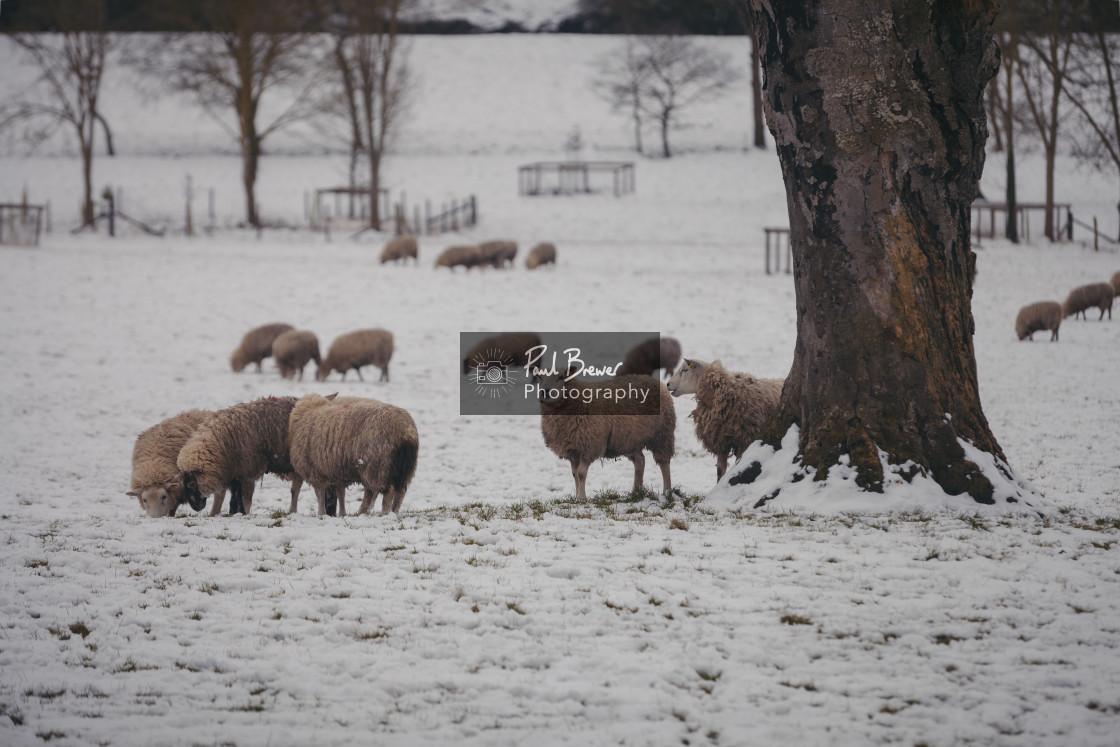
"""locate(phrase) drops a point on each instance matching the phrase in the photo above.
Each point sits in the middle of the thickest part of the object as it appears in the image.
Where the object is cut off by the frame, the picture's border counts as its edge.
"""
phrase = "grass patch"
(796, 620)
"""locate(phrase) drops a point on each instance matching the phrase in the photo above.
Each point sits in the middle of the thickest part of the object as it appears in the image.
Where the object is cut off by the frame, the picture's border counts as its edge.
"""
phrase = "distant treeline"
(710, 17)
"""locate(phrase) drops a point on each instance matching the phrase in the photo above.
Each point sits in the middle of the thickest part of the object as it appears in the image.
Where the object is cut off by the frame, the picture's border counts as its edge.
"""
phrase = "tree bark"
(1012, 226)
(756, 93)
(878, 114)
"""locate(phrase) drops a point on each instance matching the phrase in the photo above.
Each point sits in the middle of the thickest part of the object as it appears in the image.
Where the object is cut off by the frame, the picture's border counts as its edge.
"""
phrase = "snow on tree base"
(769, 479)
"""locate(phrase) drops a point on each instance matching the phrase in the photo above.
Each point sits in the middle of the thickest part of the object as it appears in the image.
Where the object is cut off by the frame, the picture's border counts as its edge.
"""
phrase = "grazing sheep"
(731, 407)
(234, 449)
(364, 347)
(650, 355)
(498, 253)
(156, 480)
(1038, 316)
(337, 442)
(541, 254)
(604, 428)
(256, 345)
(1085, 297)
(293, 349)
(456, 256)
(1114, 281)
(510, 348)
(400, 248)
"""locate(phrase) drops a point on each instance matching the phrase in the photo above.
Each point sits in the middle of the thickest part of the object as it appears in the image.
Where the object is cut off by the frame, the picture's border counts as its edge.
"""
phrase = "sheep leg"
(332, 501)
(385, 372)
(247, 491)
(340, 491)
(359, 372)
(297, 484)
(367, 500)
(721, 465)
(219, 499)
(639, 460)
(321, 494)
(397, 495)
(235, 504)
(579, 472)
(668, 482)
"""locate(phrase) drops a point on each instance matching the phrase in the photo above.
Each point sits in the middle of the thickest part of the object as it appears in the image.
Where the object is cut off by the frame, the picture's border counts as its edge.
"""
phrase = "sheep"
(1114, 281)
(156, 480)
(293, 349)
(510, 348)
(336, 442)
(498, 253)
(731, 407)
(606, 428)
(256, 345)
(456, 256)
(650, 355)
(400, 248)
(541, 254)
(234, 449)
(1037, 316)
(1085, 297)
(353, 350)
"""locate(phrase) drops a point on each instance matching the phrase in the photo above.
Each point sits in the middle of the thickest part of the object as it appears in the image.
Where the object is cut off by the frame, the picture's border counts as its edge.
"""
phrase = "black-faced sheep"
(293, 349)
(364, 347)
(498, 253)
(582, 427)
(731, 407)
(340, 441)
(1038, 316)
(156, 480)
(256, 345)
(459, 256)
(509, 348)
(541, 254)
(400, 248)
(650, 355)
(234, 449)
(1085, 297)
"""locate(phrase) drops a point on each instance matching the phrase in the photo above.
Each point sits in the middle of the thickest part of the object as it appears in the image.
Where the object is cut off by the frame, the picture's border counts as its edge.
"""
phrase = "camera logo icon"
(492, 373)
(493, 376)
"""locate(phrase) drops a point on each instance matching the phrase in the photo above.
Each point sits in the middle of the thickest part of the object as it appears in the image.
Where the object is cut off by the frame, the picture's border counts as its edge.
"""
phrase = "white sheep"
(339, 441)
(731, 407)
(156, 480)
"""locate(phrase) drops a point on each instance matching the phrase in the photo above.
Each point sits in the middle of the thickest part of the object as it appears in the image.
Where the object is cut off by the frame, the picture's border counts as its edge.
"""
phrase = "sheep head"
(686, 379)
(158, 500)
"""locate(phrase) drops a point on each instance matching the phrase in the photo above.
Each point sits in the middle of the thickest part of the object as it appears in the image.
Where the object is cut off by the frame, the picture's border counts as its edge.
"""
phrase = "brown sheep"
(256, 345)
(1085, 297)
(234, 449)
(510, 348)
(460, 256)
(1114, 281)
(606, 428)
(156, 480)
(731, 407)
(1038, 316)
(364, 347)
(541, 254)
(650, 355)
(337, 442)
(400, 248)
(293, 349)
(498, 253)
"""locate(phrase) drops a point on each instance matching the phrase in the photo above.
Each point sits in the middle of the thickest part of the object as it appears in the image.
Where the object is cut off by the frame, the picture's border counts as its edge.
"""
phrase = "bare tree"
(71, 65)
(620, 80)
(370, 61)
(1095, 93)
(881, 141)
(249, 50)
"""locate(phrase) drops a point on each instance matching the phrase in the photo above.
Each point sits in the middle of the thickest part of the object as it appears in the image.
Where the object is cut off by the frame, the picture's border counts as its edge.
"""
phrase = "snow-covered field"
(492, 610)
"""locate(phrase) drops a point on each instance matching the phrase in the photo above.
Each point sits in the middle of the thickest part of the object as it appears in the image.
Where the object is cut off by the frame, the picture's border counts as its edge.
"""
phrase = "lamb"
(337, 442)
(234, 449)
(509, 348)
(456, 256)
(541, 254)
(293, 349)
(731, 407)
(498, 253)
(400, 248)
(256, 345)
(353, 350)
(1085, 297)
(652, 354)
(156, 480)
(606, 428)
(1037, 316)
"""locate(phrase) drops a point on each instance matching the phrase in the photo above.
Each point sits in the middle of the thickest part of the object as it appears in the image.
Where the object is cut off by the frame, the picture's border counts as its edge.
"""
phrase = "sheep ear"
(133, 493)
(687, 363)
(331, 396)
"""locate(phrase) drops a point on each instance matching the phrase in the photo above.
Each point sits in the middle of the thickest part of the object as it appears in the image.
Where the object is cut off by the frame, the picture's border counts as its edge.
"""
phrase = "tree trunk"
(664, 118)
(756, 93)
(250, 157)
(1012, 226)
(87, 184)
(878, 114)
